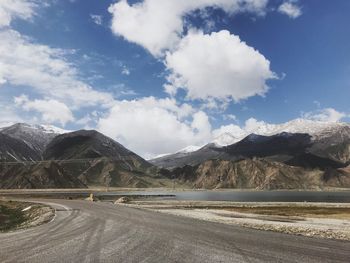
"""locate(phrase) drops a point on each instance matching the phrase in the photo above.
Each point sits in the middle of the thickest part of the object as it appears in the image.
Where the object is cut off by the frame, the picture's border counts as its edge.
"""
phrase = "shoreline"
(122, 189)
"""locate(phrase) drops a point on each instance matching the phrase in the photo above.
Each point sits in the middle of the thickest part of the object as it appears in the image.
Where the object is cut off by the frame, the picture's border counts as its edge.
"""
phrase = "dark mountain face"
(90, 145)
(297, 149)
(262, 146)
(172, 161)
(291, 149)
(95, 159)
(281, 146)
(71, 160)
(12, 149)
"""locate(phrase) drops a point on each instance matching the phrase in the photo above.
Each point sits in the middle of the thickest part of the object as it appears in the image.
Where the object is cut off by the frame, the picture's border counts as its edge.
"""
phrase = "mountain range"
(300, 154)
(34, 156)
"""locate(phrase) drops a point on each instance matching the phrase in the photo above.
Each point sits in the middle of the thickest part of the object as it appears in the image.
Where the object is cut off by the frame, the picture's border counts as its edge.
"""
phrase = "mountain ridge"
(40, 157)
(75, 159)
(316, 129)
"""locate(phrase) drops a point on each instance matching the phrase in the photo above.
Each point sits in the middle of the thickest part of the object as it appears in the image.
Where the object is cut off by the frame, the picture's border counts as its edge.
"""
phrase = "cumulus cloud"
(158, 25)
(217, 65)
(51, 110)
(11, 9)
(326, 115)
(290, 8)
(251, 125)
(47, 70)
(151, 126)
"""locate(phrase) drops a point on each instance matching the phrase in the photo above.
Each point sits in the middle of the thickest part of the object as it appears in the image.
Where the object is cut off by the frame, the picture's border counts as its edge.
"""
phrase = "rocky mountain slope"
(316, 158)
(258, 173)
(36, 137)
(312, 155)
(96, 159)
(328, 140)
(73, 159)
(12, 149)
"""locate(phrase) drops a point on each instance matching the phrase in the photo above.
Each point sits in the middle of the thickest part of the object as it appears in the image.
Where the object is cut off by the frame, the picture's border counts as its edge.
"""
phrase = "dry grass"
(12, 217)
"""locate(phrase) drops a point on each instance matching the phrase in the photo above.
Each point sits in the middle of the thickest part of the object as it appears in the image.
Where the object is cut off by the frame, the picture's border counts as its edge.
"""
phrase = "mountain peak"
(35, 136)
(190, 148)
(313, 128)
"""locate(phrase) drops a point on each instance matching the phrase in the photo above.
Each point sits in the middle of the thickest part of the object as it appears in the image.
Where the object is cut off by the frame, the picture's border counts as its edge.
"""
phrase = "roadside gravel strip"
(224, 212)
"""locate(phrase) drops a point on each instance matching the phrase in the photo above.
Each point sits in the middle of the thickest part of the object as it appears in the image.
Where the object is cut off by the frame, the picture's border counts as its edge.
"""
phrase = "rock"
(122, 200)
(91, 198)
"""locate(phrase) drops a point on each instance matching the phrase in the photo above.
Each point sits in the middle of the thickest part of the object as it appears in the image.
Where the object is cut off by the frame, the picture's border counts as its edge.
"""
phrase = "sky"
(160, 75)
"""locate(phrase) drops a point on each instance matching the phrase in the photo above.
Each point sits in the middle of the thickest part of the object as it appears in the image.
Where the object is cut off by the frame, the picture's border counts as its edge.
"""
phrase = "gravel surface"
(223, 212)
(84, 231)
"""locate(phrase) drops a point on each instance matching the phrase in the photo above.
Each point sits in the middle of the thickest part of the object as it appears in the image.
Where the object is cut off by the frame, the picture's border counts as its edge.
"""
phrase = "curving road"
(103, 232)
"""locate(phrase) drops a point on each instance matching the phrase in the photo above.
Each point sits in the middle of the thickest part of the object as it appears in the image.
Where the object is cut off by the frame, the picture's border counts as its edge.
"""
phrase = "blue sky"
(160, 75)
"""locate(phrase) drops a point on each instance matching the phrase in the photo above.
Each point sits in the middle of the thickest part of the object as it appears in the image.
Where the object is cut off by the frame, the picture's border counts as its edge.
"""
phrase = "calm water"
(251, 196)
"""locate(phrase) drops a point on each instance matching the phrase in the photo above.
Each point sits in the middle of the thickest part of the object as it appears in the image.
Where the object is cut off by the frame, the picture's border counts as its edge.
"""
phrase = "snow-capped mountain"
(188, 149)
(226, 139)
(51, 129)
(328, 140)
(34, 143)
(35, 136)
(316, 129)
(6, 124)
(183, 151)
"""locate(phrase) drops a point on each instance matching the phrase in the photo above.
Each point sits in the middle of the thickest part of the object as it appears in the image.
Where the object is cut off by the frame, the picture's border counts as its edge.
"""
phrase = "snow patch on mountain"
(34, 135)
(316, 129)
(189, 149)
(226, 139)
(3, 125)
(52, 129)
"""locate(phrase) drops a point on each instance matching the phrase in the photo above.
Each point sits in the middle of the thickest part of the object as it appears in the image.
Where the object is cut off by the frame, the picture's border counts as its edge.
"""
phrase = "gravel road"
(102, 232)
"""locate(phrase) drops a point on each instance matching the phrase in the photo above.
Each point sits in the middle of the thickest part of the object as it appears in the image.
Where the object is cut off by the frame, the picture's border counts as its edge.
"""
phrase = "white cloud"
(232, 129)
(151, 126)
(125, 71)
(11, 9)
(231, 117)
(326, 115)
(217, 65)
(51, 110)
(290, 9)
(8, 113)
(158, 25)
(46, 70)
(251, 125)
(96, 19)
